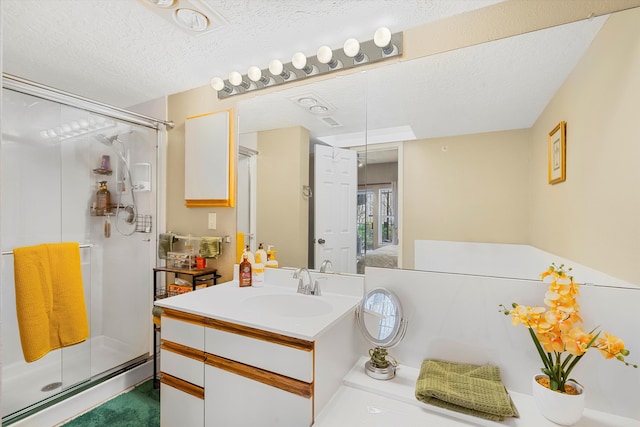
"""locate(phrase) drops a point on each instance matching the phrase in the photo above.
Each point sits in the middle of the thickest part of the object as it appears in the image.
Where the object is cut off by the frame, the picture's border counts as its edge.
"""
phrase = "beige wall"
(181, 219)
(471, 188)
(596, 211)
(282, 214)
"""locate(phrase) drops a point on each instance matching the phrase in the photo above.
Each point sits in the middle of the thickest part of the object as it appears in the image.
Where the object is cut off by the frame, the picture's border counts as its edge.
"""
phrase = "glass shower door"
(48, 188)
(32, 213)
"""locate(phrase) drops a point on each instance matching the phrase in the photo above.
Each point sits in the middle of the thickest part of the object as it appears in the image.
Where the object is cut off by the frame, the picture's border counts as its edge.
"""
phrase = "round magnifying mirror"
(381, 321)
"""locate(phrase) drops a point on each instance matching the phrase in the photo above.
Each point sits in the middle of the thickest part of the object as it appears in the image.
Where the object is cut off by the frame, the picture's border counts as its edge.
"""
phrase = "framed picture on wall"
(558, 153)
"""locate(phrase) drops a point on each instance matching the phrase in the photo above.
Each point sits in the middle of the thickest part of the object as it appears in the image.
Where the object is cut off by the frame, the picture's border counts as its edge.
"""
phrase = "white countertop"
(363, 401)
(228, 302)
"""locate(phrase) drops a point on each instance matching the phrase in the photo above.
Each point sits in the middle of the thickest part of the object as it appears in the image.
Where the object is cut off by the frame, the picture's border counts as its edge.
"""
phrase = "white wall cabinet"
(209, 160)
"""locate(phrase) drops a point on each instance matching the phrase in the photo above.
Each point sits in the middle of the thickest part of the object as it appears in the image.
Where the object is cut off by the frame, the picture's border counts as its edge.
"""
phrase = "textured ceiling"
(121, 53)
(494, 86)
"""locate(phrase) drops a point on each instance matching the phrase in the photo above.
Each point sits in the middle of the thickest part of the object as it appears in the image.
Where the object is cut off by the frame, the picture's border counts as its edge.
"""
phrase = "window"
(365, 221)
(386, 216)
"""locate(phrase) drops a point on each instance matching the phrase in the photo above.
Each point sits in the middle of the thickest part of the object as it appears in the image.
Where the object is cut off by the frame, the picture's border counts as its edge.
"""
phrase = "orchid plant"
(557, 332)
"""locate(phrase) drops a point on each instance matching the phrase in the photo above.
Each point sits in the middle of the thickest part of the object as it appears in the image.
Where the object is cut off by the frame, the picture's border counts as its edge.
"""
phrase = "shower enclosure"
(51, 161)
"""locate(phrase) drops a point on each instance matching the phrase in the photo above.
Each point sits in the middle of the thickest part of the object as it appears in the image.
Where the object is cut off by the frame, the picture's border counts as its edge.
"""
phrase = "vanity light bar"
(383, 46)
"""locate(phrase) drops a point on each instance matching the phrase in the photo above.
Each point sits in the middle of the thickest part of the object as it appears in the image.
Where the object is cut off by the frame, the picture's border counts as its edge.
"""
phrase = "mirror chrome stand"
(378, 366)
(386, 328)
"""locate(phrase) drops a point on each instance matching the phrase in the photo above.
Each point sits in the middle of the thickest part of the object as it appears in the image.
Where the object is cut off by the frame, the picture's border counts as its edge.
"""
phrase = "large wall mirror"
(451, 157)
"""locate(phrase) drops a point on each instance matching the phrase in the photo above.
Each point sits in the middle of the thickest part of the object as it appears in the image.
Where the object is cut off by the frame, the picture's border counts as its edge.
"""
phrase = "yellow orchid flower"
(557, 329)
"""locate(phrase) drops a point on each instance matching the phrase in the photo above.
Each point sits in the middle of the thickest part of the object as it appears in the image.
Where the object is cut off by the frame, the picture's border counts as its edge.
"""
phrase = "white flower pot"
(561, 408)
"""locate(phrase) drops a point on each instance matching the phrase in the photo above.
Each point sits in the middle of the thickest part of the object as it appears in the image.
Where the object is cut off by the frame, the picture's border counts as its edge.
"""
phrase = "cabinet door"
(179, 408)
(209, 160)
(235, 400)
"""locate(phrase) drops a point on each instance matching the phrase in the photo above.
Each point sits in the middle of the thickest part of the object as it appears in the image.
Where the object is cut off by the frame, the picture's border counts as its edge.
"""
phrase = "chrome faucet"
(326, 264)
(302, 288)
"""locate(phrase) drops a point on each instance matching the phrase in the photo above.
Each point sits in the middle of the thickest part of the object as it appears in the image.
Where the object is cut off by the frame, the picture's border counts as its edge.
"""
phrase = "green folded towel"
(470, 389)
(210, 247)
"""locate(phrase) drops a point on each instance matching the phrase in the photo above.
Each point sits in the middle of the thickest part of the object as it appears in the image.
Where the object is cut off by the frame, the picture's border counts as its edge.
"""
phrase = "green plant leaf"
(547, 362)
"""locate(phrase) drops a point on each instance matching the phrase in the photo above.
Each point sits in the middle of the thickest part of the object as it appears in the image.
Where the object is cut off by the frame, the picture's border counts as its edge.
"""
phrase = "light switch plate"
(212, 221)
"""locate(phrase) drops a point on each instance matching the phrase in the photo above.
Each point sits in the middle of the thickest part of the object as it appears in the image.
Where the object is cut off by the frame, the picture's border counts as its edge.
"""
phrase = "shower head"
(106, 140)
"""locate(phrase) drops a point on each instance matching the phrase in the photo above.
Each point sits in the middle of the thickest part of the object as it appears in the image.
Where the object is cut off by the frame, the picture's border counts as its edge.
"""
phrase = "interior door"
(336, 186)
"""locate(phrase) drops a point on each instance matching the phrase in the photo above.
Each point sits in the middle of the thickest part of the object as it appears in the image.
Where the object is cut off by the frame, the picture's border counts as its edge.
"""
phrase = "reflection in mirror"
(381, 320)
(469, 129)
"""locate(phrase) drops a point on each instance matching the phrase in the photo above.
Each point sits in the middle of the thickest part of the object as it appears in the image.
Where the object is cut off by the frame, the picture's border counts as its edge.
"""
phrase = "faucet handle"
(316, 286)
(301, 287)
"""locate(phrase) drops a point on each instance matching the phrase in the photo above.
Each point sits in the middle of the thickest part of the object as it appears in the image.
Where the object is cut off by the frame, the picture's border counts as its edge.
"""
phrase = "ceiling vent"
(331, 122)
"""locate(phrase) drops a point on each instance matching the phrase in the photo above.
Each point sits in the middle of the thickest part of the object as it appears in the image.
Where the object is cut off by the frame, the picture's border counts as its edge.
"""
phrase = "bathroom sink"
(288, 305)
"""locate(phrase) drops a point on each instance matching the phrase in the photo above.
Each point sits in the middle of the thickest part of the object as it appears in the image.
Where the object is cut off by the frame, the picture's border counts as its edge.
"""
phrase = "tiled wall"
(456, 317)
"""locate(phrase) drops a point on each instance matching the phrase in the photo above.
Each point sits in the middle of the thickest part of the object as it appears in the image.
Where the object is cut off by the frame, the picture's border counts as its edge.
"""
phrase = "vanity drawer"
(272, 352)
(183, 328)
(182, 362)
(180, 404)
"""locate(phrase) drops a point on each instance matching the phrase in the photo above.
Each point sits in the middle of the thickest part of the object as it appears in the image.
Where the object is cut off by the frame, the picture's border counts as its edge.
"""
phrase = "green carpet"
(139, 407)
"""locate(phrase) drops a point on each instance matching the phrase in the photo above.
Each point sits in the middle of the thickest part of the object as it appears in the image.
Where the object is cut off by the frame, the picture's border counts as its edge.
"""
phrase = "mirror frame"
(399, 328)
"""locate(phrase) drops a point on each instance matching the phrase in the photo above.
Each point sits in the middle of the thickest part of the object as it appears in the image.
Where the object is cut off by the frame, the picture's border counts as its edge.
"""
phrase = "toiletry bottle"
(257, 280)
(103, 199)
(271, 258)
(244, 275)
(249, 254)
(261, 254)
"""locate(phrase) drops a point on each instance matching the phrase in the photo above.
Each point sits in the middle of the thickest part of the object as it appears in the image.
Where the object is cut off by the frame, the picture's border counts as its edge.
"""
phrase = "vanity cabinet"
(182, 359)
(217, 373)
(254, 377)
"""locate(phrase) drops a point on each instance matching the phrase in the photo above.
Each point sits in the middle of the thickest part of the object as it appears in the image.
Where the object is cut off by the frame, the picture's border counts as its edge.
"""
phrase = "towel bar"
(88, 245)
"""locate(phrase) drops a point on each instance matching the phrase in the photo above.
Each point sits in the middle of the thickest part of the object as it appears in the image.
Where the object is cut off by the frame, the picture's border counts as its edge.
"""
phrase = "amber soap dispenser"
(245, 271)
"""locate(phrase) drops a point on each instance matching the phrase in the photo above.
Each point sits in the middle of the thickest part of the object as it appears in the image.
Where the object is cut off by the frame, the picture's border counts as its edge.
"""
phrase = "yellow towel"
(49, 298)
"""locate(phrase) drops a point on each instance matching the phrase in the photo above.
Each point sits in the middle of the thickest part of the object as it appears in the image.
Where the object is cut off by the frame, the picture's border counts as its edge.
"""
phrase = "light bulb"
(235, 78)
(220, 86)
(217, 84)
(382, 39)
(255, 75)
(351, 48)
(299, 61)
(277, 69)
(324, 55)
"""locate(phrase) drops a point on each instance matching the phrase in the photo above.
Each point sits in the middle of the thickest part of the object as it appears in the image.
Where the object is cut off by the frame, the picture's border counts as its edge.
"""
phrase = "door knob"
(321, 241)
